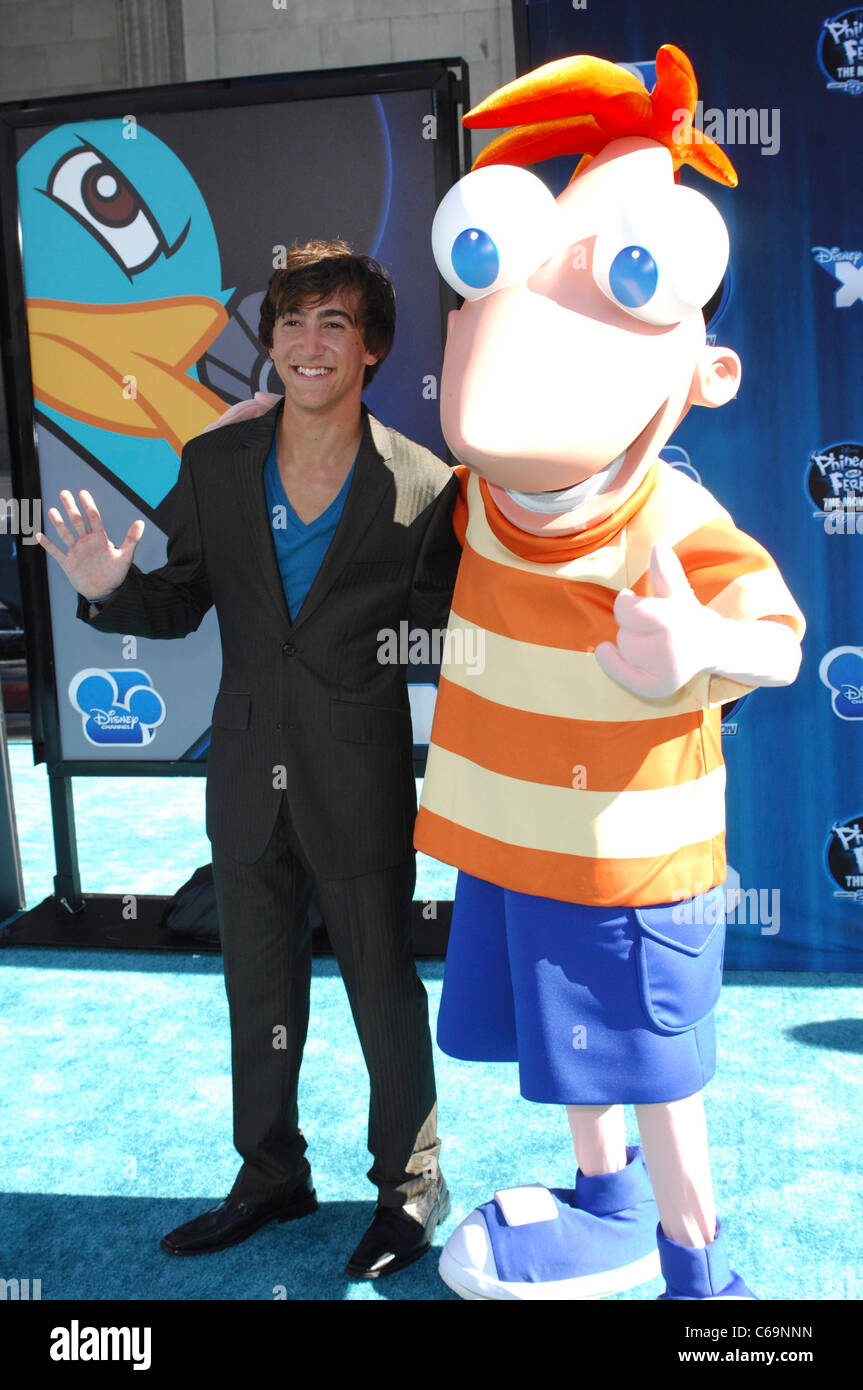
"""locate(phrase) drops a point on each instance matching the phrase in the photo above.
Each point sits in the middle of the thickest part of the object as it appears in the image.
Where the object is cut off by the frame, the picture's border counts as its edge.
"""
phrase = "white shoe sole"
(470, 1284)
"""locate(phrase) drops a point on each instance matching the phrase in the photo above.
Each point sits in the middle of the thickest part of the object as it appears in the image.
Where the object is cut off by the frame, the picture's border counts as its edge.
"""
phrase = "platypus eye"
(101, 198)
(662, 261)
(494, 228)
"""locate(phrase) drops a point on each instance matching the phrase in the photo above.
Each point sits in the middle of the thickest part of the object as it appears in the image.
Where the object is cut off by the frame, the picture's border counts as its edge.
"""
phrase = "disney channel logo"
(841, 670)
(117, 707)
(843, 858)
(840, 52)
(833, 482)
(846, 267)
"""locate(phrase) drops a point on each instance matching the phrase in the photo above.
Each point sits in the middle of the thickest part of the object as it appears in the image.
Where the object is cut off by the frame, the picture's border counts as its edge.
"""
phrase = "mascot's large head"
(581, 342)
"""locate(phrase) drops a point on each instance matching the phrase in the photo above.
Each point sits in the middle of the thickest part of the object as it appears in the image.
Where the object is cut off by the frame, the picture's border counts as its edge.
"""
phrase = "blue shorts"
(598, 1005)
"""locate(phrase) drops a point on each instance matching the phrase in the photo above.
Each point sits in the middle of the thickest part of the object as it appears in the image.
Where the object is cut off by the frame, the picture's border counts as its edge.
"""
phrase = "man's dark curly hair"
(317, 269)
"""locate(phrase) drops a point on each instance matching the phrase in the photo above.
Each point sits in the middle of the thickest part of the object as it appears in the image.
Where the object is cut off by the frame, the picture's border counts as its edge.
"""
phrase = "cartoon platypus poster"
(138, 339)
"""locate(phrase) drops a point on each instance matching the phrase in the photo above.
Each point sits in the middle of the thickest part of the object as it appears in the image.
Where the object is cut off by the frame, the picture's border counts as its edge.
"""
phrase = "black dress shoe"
(232, 1221)
(395, 1239)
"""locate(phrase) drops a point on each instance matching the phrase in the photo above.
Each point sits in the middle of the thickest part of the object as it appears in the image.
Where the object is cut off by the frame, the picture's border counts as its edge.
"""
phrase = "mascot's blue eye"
(475, 258)
(633, 276)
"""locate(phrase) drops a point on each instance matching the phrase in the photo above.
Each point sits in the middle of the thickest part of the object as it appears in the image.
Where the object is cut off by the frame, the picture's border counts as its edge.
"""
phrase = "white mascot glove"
(662, 642)
(245, 410)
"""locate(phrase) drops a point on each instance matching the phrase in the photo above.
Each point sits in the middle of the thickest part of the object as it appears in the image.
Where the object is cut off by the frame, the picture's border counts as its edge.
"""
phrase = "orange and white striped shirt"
(546, 776)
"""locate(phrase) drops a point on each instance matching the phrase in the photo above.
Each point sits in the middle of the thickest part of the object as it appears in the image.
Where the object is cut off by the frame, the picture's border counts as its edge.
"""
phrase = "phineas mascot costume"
(575, 776)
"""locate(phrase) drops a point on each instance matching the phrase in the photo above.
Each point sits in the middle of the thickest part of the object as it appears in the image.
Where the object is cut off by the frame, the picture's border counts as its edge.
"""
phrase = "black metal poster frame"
(445, 79)
(521, 36)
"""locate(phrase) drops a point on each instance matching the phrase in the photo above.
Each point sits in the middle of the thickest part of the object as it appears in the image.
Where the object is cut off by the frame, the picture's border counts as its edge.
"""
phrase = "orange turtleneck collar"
(556, 549)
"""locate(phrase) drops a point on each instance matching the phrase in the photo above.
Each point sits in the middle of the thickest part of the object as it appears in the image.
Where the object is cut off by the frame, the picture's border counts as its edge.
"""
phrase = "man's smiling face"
(319, 353)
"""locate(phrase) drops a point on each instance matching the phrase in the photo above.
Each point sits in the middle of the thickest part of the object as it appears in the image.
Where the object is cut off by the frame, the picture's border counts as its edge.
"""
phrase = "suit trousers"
(267, 953)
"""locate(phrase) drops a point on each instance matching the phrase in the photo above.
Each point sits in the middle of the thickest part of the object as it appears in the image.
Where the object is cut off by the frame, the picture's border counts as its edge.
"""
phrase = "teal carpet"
(115, 1097)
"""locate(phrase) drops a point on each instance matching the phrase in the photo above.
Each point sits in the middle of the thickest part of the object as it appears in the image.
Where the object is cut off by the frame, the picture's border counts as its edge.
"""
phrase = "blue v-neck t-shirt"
(300, 548)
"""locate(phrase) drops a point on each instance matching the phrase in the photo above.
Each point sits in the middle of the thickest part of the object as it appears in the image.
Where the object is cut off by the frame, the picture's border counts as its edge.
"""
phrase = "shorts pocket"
(679, 960)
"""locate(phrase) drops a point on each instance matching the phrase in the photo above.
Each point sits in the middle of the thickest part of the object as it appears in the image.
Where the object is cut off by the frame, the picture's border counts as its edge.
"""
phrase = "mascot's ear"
(716, 378)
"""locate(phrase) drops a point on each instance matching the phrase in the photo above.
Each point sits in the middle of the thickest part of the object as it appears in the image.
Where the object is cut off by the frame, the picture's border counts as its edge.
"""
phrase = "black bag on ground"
(192, 911)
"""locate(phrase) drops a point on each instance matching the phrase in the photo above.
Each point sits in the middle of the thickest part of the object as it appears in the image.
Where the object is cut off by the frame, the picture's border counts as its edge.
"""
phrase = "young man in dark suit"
(311, 528)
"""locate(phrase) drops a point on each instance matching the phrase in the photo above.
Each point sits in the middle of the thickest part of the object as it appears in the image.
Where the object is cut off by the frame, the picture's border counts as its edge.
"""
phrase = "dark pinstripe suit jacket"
(309, 694)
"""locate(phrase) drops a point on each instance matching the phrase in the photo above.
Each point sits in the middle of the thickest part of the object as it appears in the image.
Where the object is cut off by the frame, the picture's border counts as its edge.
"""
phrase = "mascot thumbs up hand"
(663, 642)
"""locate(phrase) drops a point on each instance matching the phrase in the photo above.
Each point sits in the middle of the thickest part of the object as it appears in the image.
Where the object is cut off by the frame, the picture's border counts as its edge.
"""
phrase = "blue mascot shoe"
(535, 1242)
(698, 1274)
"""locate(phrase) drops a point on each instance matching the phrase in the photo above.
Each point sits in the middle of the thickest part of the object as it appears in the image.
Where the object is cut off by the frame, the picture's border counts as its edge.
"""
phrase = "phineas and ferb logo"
(840, 51)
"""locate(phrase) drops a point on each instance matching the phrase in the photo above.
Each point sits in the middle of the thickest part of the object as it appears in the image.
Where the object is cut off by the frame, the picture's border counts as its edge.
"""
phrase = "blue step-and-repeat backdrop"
(781, 89)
